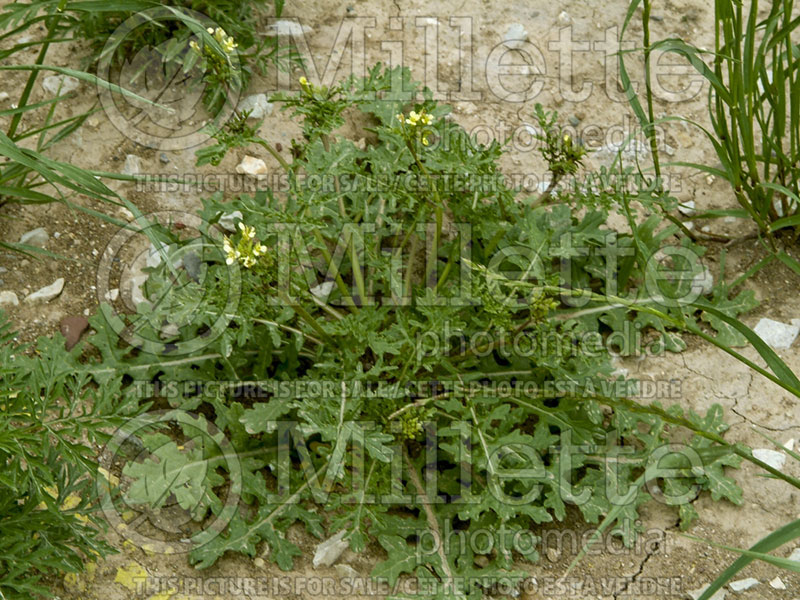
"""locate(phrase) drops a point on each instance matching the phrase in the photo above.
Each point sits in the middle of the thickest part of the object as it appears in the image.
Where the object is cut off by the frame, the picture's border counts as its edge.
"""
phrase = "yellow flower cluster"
(417, 121)
(248, 251)
(224, 40)
(415, 118)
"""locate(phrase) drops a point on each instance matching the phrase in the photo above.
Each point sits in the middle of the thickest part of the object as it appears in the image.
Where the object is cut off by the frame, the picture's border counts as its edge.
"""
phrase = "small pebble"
(776, 334)
(8, 299)
(285, 28)
(515, 36)
(72, 328)
(773, 458)
(252, 166)
(777, 584)
(35, 237)
(163, 158)
(133, 165)
(743, 584)
(257, 104)
(60, 84)
(46, 293)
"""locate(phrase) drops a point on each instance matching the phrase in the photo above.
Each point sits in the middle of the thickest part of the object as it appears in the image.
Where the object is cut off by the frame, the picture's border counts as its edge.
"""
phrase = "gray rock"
(777, 204)
(515, 37)
(257, 104)
(252, 166)
(163, 158)
(285, 28)
(687, 208)
(228, 220)
(773, 458)
(777, 584)
(743, 584)
(60, 84)
(135, 284)
(329, 551)
(703, 282)
(46, 293)
(133, 165)
(192, 264)
(346, 571)
(776, 334)
(35, 237)
(8, 299)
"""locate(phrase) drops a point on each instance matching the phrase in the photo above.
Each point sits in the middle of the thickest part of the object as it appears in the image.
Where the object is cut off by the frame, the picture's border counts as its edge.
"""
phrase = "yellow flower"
(248, 232)
(210, 30)
(194, 46)
(303, 81)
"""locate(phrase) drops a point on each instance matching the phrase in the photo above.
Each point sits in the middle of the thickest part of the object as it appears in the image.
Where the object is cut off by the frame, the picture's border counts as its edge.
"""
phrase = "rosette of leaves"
(388, 391)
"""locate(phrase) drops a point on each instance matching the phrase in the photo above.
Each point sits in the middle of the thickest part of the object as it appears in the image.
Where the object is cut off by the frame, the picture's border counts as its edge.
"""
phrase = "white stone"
(285, 27)
(346, 571)
(687, 208)
(795, 555)
(112, 294)
(60, 84)
(718, 595)
(515, 37)
(743, 584)
(35, 237)
(777, 584)
(329, 551)
(170, 330)
(703, 282)
(46, 293)
(777, 204)
(257, 104)
(133, 165)
(563, 18)
(773, 458)
(252, 166)
(776, 334)
(322, 290)
(228, 220)
(789, 445)
(3, 96)
(136, 283)
(8, 299)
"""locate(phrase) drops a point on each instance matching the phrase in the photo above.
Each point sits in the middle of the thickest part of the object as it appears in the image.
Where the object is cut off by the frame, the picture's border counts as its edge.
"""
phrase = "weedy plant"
(409, 353)
(156, 35)
(28, 175)
(51, 416)
(754, 110)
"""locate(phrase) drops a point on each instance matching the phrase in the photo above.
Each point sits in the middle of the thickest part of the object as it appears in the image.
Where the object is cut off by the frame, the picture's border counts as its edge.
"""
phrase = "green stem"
(306, 316)
(284, 165)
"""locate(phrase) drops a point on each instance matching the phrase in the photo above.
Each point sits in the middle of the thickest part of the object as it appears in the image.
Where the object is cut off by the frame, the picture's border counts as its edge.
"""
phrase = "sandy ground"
(407, 31)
